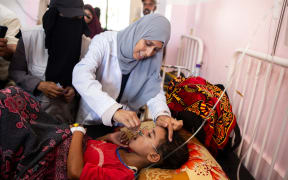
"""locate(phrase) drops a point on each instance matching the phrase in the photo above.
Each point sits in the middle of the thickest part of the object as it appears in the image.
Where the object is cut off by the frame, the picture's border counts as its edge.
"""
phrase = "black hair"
(91, 9)
(178, 158)
(97, 12)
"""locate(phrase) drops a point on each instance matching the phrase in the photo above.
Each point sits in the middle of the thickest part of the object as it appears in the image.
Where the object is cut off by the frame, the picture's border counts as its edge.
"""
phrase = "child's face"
(146, 143)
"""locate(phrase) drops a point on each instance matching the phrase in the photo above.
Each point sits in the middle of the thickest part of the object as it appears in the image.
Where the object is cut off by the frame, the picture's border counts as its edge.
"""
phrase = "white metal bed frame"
(255, 69)
(189, 58)
(260, 75)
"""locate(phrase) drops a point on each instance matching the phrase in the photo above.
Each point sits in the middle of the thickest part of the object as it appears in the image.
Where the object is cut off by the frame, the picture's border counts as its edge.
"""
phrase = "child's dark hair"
(178, 158)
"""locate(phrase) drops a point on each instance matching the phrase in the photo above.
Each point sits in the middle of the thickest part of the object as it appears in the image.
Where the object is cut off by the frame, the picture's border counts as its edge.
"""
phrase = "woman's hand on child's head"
(176, 124)
(170, 123)
(119, 138)
(128, 118)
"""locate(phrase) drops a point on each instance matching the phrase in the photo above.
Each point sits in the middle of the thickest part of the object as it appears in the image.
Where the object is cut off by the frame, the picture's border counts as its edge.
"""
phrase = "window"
(118, 14)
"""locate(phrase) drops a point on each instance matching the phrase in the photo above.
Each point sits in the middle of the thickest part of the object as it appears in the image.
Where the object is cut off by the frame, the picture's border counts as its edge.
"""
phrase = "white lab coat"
(97, 78)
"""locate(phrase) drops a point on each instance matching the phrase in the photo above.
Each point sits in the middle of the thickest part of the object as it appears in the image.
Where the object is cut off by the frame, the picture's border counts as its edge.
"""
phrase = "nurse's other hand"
(50, 89)
(170, 123)
(128, 118)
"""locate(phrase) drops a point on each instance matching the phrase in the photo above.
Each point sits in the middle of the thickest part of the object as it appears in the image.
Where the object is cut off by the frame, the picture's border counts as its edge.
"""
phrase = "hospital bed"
(258, 86)
(189, 59)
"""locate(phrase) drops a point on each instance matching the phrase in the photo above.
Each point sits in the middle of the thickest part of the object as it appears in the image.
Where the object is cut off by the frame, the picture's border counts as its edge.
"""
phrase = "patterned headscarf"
(198, 96)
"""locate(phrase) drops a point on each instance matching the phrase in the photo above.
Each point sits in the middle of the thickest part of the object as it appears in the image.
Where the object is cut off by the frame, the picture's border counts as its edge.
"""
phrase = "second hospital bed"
(257, 87)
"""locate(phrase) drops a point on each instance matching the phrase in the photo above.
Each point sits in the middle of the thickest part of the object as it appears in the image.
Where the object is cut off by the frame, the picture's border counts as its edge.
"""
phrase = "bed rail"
(190, 54)
(189, 58)
(260, 102)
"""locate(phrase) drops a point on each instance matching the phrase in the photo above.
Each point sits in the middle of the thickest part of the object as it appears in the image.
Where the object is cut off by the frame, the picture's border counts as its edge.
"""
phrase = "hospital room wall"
(224, 26)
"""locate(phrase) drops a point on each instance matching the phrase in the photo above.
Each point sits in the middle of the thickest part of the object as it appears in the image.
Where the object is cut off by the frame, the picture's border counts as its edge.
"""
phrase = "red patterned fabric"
(197, 95)
(32, 144)
(102, 161)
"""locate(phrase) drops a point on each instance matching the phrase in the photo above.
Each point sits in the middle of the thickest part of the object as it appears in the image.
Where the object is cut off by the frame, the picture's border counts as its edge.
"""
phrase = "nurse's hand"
(128, 118)
(170, 123)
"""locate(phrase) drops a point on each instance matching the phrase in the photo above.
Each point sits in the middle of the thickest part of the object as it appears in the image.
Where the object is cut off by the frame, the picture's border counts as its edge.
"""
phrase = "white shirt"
(97, 78)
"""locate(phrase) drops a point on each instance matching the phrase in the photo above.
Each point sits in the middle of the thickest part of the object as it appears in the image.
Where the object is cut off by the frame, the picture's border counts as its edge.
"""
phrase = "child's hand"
(119, 138)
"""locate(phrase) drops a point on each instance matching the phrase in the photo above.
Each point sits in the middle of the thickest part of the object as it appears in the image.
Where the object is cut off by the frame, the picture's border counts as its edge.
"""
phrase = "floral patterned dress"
(33, 145)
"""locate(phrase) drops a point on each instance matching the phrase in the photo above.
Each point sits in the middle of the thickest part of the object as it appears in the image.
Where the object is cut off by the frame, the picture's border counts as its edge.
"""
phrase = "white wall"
(224, 26)
(135, 10)
(25, 10)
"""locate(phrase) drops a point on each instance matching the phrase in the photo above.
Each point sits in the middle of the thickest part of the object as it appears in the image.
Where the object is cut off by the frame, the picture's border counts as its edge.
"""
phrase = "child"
(106, 159)
(34, 145)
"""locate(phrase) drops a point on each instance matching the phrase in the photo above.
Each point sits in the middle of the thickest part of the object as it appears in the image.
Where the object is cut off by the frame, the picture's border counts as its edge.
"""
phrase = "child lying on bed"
(106, 159)
(34, 145)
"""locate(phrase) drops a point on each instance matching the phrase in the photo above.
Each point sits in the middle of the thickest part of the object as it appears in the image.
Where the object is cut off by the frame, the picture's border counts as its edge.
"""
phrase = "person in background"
(46, 55)
(92, 20)
(121, 73)
(8, 43)
(149, 6)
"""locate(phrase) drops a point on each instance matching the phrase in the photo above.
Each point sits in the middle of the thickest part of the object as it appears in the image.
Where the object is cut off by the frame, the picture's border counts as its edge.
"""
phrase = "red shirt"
(102, 161)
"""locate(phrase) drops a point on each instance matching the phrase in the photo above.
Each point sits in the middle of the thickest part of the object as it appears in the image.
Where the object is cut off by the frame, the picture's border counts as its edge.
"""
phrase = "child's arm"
(75, 160)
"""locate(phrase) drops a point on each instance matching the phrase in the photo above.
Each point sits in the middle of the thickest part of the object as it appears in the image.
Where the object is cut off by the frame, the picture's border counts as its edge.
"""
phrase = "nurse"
(121, 72)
